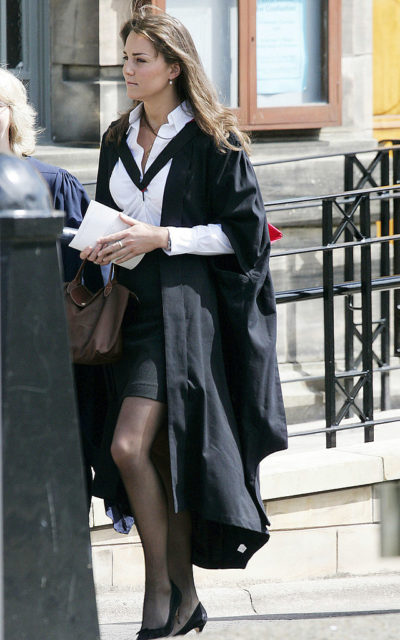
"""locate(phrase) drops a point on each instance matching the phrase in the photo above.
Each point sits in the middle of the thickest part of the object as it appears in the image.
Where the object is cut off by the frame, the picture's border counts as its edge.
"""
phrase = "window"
(24, 24)
(277, 62)
(214, 29)
(14, 34)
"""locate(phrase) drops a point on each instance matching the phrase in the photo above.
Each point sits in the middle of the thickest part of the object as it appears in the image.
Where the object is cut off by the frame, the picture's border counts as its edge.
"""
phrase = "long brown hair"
(172, 40)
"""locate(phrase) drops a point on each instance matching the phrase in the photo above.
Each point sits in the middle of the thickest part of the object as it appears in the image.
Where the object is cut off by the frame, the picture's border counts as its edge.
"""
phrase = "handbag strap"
(77, 280)
(177, 142)
(79, 277)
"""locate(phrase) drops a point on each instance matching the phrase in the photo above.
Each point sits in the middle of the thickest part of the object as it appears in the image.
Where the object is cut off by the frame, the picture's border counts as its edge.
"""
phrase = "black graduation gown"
(225, 409)
(69, 195)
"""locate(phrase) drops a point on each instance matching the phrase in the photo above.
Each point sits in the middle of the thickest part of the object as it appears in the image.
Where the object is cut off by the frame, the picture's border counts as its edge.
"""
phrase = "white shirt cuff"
(206, 240)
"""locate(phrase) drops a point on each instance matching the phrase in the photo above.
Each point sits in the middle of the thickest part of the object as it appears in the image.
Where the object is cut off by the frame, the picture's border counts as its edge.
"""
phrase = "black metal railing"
(381, 169)
(352, 220)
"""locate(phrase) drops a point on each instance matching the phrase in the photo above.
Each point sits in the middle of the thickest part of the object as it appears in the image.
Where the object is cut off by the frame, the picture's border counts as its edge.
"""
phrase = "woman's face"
(4, 125)
(145, 71)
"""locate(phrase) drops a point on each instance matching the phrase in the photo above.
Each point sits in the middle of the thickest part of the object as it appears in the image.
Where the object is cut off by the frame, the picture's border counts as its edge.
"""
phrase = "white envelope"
(100, 221)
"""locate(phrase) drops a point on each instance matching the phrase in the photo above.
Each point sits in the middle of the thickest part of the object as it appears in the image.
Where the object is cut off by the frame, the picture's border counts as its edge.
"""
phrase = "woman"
(197, 401)
(18, 136)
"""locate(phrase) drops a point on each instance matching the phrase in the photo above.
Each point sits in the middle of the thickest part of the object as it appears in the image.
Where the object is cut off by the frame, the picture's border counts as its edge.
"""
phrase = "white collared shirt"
(201, 239)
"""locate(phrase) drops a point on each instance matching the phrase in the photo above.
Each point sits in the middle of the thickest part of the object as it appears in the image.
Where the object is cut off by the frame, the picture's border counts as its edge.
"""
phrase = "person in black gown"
(196, 396)
(18, 136)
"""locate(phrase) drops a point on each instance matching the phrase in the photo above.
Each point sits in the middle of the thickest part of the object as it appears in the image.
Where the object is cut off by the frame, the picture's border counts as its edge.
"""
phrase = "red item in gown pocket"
(274, 233)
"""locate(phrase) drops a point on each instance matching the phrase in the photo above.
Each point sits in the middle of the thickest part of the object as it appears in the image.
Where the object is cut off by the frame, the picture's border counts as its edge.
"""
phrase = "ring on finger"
(120, 244)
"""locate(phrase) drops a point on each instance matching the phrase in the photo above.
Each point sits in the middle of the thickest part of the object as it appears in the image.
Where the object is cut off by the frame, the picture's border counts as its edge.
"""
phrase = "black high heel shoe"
(196, 621)
(166, 630)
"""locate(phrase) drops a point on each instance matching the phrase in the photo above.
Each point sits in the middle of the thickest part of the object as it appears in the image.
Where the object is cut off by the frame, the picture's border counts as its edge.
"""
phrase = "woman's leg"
(139, 421)
(179, 535)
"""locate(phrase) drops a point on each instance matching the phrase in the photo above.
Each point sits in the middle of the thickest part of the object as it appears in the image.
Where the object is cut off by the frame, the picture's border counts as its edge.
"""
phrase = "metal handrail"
(343, 289)
(353, 380)
(345, 196)
(336, 154)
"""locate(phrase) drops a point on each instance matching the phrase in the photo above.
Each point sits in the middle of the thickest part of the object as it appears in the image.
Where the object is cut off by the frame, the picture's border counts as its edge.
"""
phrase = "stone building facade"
(70, 55)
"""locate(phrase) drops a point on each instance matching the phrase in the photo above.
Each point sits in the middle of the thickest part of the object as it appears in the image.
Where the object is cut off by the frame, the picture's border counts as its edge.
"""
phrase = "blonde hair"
(172, 40)
(23, 131)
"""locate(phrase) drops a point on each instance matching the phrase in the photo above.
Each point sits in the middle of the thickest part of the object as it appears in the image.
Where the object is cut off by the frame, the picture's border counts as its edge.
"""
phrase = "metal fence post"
(384, 320)
(396, 252)
(366, 306)
(48, 590)
(329, 324)
(348, 277)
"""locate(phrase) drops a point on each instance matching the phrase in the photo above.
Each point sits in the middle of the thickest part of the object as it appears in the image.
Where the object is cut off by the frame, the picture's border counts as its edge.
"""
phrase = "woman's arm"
(138, 238)
(203, 240)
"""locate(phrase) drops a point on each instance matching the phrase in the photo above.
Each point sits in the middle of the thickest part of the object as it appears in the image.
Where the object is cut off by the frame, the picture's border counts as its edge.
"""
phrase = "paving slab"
(343, 608)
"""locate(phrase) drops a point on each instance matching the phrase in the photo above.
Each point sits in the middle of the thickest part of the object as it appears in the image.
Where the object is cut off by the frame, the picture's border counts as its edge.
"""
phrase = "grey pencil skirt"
(141, 371)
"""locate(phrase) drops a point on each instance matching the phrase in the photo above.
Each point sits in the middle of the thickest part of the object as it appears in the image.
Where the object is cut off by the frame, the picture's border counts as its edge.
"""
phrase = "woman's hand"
(118, 247)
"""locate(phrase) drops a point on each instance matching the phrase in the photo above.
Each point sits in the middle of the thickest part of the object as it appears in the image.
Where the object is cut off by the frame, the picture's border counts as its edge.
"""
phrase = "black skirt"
(141, 371)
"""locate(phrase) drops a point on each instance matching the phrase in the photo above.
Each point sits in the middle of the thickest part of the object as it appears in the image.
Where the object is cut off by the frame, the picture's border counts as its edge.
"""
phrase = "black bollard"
(47, 581)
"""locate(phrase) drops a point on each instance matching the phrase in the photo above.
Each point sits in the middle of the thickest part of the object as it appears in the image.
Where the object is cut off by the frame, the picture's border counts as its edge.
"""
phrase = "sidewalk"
(365, 607)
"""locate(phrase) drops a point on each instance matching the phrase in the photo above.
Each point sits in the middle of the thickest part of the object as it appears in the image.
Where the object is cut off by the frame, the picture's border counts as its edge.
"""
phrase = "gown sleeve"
(247, 308)
(71, 197)
(237, 205)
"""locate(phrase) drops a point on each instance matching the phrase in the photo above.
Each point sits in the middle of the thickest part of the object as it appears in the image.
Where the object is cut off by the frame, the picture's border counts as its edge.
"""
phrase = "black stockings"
(165, 535)
(179, 547)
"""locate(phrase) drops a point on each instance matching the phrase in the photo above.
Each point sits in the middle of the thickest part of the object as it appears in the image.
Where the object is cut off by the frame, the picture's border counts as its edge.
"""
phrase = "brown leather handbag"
(95, 319)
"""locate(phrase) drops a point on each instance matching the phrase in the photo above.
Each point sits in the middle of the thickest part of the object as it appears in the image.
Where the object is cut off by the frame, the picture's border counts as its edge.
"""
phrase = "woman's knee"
(127, 453)
(138, 424)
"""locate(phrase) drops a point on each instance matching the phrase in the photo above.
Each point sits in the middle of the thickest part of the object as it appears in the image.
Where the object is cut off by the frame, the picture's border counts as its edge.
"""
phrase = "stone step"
(325, 520)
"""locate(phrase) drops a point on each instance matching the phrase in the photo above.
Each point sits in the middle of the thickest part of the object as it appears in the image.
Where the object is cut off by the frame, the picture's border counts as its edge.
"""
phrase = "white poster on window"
(198, 20)
(281, 54)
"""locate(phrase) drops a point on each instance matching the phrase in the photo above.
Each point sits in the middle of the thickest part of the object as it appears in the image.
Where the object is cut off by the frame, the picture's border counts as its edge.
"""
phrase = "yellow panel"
(388, 134)
(387, 127)
(386, 57)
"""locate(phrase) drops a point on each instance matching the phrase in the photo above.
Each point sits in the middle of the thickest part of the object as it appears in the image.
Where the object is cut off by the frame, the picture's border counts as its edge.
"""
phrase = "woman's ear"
(175, 70)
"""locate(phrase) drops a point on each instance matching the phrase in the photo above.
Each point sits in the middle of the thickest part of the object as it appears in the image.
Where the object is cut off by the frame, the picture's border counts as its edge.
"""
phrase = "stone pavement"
(360, 627)
(344, 608)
